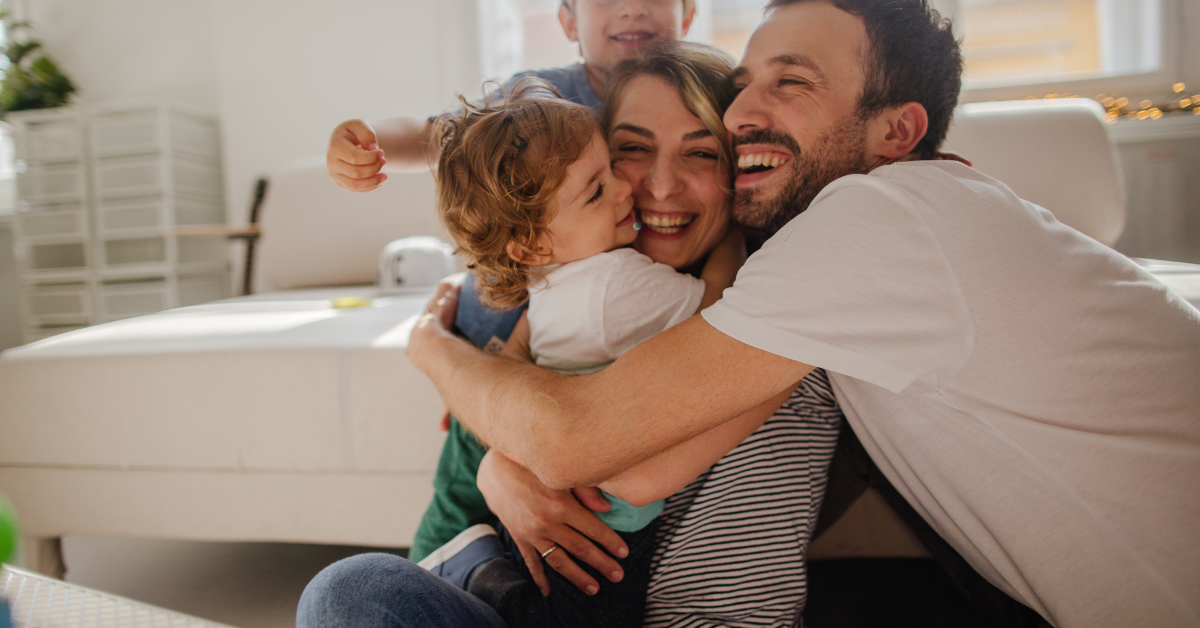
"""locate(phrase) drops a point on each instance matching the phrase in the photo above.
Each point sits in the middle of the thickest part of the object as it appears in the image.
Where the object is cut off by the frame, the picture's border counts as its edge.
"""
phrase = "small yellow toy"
(343, 303)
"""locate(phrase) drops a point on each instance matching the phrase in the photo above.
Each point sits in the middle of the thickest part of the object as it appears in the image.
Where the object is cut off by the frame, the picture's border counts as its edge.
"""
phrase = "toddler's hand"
(354, 159)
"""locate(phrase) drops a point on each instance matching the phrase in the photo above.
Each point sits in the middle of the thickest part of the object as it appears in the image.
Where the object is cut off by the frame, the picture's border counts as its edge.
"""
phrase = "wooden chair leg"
(44, 556)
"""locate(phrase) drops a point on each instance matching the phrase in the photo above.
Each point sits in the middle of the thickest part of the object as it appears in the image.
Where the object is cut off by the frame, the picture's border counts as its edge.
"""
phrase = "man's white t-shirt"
(591, 311)
(1032, 393)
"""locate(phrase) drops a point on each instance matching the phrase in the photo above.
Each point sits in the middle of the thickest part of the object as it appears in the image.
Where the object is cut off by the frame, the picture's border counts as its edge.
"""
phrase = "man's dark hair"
(913, 57)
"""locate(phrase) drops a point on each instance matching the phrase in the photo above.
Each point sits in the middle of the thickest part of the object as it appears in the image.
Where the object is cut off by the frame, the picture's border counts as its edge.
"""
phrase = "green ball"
(9, 531)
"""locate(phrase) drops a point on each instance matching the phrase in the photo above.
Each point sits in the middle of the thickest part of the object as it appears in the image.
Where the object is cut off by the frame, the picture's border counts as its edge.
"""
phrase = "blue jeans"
(386, 591)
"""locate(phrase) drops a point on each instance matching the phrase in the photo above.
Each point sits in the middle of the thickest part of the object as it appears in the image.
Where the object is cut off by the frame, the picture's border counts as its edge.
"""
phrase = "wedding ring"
(549, 551)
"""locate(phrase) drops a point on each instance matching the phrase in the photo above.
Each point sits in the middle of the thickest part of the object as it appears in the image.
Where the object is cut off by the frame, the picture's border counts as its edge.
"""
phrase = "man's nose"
(748, 111)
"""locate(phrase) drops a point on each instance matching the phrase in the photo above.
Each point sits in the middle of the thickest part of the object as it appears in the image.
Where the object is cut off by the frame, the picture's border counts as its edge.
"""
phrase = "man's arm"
(359, 150)
(583, 430)
(670, 471)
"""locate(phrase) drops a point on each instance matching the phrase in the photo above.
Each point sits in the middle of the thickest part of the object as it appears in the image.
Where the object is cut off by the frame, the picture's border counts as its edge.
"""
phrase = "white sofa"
(278, 417)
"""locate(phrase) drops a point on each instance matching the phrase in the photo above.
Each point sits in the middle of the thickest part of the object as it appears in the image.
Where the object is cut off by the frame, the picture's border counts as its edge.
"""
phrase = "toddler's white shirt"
(593, 310)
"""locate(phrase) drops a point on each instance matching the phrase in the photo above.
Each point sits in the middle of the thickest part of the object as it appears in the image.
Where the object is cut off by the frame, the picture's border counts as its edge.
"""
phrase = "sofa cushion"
(278, 382)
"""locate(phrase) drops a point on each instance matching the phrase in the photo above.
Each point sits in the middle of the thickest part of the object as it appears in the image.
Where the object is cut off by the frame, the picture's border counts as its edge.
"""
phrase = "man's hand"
(539, 518)
(355, 159)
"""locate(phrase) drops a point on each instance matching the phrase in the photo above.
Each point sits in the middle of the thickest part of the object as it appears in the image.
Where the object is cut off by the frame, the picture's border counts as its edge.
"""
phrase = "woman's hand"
(539, 518)
(722, 265)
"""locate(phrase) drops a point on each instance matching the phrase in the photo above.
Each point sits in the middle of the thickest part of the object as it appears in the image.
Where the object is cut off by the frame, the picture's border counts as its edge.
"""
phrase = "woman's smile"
(665, 226)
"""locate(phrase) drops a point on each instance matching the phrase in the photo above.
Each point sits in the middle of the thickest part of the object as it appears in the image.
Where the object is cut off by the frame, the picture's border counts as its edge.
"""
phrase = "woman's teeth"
(666, 224)
(758, 162)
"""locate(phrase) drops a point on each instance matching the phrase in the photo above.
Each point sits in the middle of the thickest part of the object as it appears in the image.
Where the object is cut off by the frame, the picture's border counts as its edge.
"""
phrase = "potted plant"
(32, 80)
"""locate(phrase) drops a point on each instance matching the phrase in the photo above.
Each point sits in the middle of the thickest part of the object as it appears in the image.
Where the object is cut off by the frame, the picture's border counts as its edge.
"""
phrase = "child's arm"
(358, 150)
(517, 345)
(671, 471)
(722, 266)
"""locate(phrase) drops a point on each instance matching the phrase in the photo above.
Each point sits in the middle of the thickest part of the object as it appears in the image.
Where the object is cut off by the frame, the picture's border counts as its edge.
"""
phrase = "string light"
(1116, 106)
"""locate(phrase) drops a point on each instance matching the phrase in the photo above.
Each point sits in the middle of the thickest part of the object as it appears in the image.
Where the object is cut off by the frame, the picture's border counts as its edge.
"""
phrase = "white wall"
(120, 50)
(281, 74)
(288, 72)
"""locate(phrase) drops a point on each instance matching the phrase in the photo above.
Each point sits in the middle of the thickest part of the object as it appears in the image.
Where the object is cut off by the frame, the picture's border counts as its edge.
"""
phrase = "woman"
(731, 543)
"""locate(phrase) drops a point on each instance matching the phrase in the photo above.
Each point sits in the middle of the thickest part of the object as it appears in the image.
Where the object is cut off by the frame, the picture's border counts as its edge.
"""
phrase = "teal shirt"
(625, 517)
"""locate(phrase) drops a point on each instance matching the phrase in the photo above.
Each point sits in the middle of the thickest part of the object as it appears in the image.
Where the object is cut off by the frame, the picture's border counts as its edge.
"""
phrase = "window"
(523, 35)
(1039, 41)
(1006, 43)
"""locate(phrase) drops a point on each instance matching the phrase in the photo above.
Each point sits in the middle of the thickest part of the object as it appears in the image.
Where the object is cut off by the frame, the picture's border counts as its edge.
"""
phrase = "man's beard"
(837, 153)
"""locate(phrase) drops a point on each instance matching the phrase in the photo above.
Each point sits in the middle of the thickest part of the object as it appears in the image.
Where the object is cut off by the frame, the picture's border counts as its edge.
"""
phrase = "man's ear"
(688, 16)
(895, 132)
(566, 17)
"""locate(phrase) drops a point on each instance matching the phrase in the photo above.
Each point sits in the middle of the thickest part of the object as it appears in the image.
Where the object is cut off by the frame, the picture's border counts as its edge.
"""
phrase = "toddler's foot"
(455, 560)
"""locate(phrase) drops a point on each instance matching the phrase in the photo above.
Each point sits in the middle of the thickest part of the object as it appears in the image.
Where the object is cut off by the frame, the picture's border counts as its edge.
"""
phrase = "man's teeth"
(632, 36)
(666, 224)
(766, 160)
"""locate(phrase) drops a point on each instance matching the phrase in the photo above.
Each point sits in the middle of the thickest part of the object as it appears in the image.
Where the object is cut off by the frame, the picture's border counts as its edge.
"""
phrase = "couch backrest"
(1055, 153)
(317, 234)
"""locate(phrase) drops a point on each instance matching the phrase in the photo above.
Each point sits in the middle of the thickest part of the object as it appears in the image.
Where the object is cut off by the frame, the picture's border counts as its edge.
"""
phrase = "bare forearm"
(672, 470)
(583, 430)
(406, 143)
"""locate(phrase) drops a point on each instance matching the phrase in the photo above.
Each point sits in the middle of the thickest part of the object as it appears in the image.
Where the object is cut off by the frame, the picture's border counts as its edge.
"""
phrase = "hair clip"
(520, 142)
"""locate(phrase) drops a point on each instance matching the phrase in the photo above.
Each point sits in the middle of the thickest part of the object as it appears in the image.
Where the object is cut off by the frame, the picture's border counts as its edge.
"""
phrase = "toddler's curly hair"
(501, 163)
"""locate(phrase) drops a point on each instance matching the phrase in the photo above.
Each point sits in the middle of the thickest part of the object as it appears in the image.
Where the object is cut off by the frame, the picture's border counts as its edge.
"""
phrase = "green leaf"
(40, 86)
(16, 52)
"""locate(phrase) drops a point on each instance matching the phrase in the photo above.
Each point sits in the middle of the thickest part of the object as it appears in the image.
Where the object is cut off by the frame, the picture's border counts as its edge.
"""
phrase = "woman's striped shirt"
(731, 546)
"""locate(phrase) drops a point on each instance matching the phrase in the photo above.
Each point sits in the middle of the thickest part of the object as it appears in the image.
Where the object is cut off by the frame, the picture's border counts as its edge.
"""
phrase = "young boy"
(608, 32)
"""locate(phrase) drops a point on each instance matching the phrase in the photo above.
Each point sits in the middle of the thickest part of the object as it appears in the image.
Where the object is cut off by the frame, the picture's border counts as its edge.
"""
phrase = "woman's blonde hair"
(701, 76)
(501, 164)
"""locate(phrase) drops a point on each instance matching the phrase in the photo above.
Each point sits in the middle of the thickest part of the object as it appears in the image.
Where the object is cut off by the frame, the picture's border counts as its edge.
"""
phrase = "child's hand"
(354, 159)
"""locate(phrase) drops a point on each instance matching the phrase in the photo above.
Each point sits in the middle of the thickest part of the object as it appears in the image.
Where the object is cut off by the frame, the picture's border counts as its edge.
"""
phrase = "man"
(1031, 393)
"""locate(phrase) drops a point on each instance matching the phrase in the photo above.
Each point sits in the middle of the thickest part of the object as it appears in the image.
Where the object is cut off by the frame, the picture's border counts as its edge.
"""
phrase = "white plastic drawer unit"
(48, 136)
(150, 212)
(147, 175)
(146, 250)
(59, 304)
(52, 254)
(126, 298)
(52, 183)
(152, 249)
(42, 332)
(139, 131)
(35, 221)
(203, 288)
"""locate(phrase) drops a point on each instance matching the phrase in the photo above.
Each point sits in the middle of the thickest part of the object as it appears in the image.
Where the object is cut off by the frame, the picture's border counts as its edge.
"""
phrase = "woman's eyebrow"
(644, 132)
(697, 135)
